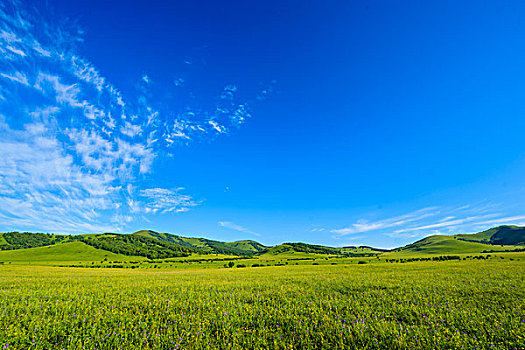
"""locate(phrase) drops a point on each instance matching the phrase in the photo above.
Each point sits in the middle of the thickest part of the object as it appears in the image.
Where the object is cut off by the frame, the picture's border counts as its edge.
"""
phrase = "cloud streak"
(433, 220)
(77, 154)
(235, 227)
(364, 225)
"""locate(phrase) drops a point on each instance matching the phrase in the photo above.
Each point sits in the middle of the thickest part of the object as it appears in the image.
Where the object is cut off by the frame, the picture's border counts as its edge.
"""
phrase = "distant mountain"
(204, 245)
(155, 245)
(129, 245)
(137, 245)
(501, 235)
(496, 239)
(248, 246)
(290, 248)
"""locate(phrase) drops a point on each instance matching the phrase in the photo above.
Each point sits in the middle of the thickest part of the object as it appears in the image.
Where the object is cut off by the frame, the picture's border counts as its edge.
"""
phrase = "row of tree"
(137, 246)
(23, 240)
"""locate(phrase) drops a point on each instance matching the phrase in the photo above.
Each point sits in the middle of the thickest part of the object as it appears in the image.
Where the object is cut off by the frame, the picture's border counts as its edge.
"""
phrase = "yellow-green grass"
(419, 305)
(277, 255)
(360, 250)
(194, 256)
(62, 252)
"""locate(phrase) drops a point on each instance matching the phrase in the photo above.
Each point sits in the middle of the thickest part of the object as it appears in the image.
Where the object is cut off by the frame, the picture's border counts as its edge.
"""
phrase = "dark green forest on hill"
(138, 246)
(22, 240)
(316, 249)
(204, 245)
(155, 245)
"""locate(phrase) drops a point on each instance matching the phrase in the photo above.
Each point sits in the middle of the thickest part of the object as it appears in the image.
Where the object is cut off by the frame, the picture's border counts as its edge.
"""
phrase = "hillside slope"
(439, 244)
(501, 235)
(204, 245)
(22, 240)
(248, 246)
(70, 251)
(136, 245)
(155, 245)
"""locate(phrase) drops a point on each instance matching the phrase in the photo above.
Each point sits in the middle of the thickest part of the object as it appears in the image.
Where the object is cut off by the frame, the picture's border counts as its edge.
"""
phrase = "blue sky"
(347, 123)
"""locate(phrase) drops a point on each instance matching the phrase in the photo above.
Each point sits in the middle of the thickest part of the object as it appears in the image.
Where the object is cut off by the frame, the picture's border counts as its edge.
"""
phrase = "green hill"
(204, 245)
(304, 249)
(70, 251)
(127, 245)
(449, 245)
(137, 245)
(154, 245)
(22, 240)
(502, 235)
(248, 246)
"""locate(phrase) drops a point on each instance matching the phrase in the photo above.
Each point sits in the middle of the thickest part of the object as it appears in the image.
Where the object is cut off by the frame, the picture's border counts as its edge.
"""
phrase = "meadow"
(455, 304)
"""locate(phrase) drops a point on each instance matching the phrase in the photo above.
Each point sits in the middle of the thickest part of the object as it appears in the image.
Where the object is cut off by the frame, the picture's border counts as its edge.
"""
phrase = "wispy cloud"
(447, 223)
(433, 220)
(364, 225)
(75, 152)
(17, 77)
(234, 226)
(165, 201)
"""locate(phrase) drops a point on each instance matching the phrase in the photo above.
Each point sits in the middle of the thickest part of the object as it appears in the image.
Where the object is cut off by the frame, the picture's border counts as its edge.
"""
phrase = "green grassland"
(149, 249)
(458, 304)
(61, 253)
(160, 291)
(362, 250)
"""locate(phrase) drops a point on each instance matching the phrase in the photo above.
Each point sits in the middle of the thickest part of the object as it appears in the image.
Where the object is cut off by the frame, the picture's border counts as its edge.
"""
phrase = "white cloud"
(131, 130)
(70, 149)
(446, 223)
(43, 189)
(364, 225)
(216, 126)
(165, 201)
(434, 220)
(16, 77)
(235, 227)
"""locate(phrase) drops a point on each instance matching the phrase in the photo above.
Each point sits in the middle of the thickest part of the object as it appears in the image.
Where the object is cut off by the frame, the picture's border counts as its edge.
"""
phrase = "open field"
(458, 304)
(60, 253)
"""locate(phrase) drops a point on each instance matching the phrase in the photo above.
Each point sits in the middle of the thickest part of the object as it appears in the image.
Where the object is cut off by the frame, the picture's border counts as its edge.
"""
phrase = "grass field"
(61, 253)
(460, 304)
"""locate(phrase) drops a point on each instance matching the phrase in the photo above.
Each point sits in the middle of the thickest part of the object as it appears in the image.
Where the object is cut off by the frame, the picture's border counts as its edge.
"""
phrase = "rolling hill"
(136, 245)
(16, 246)
(501, 235)
(22, 240)
(248, 246)
(62, 252)
(204, 245)
(500, 238)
